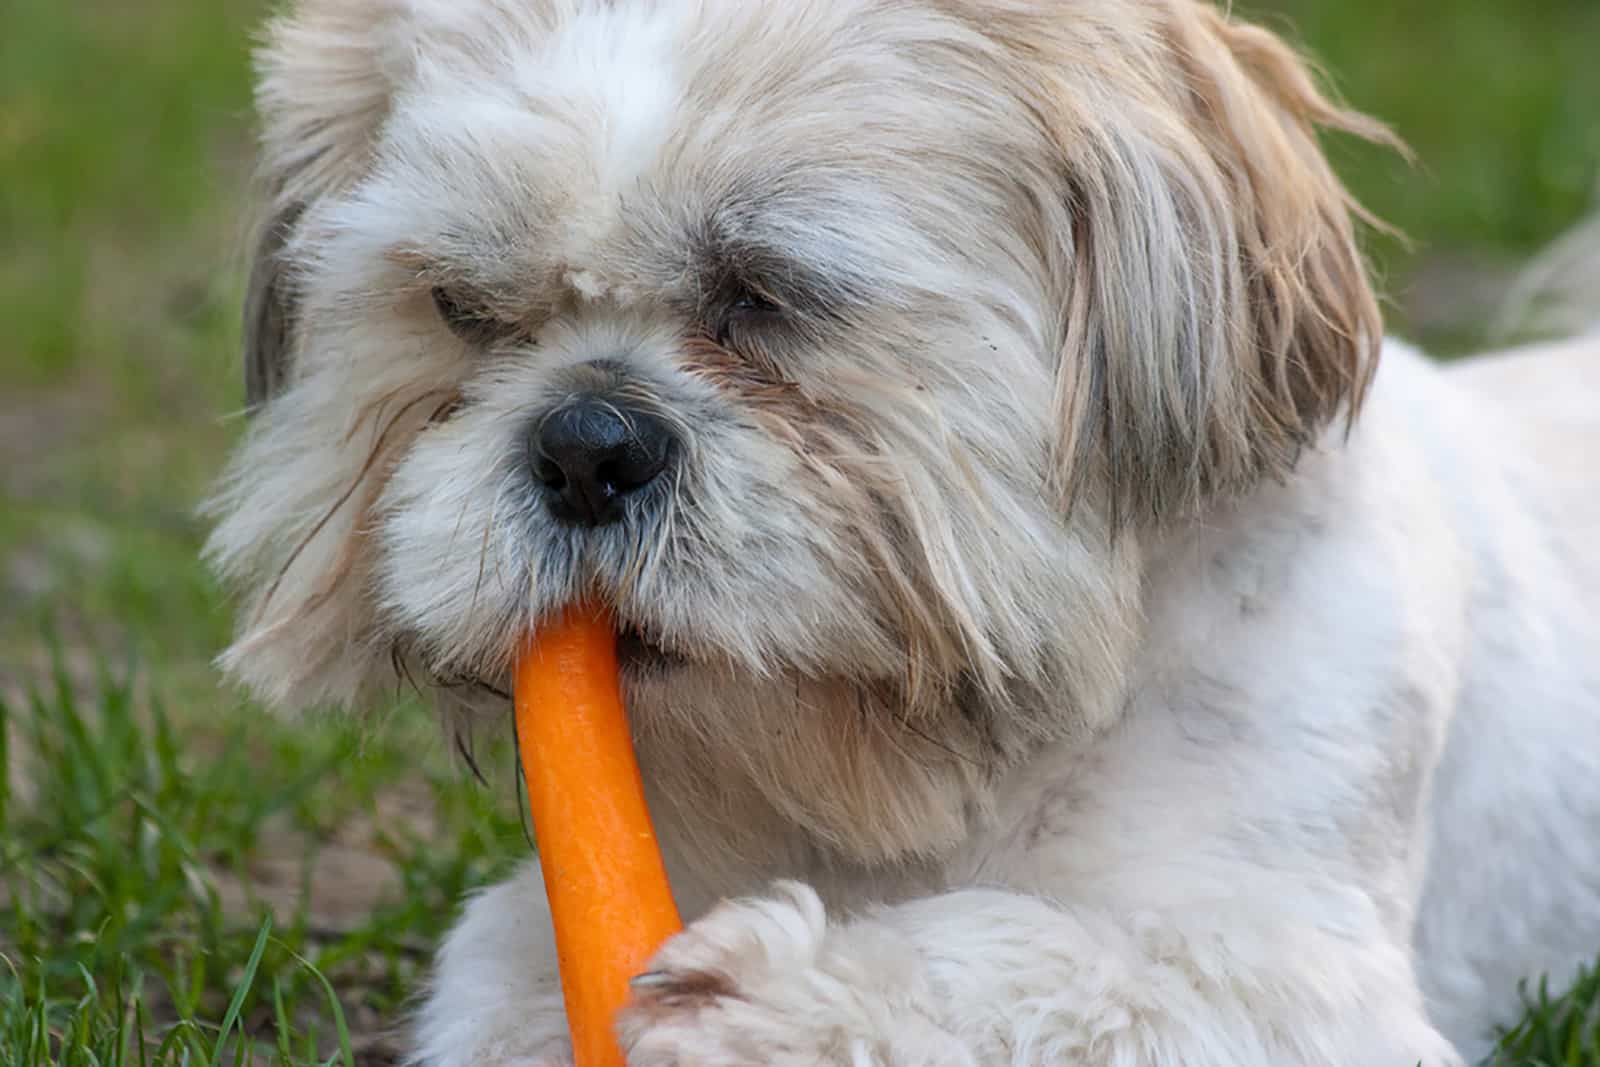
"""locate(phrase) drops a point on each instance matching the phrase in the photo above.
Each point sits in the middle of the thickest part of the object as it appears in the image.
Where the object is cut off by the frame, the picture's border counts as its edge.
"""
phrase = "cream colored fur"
(1111, 657)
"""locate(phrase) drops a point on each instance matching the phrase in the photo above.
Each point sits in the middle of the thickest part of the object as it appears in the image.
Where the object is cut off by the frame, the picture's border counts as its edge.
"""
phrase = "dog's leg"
(989, 977)
(495, 999)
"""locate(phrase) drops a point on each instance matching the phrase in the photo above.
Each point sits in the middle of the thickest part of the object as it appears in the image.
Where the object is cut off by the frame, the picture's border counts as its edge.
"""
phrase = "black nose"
(590, 453)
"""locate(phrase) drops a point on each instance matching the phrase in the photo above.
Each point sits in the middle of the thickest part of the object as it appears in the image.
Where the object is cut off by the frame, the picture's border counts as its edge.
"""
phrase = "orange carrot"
(609, 898)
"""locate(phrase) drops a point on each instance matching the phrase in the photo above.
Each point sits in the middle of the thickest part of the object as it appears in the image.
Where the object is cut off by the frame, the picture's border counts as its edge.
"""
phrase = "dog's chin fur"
(1043, 290)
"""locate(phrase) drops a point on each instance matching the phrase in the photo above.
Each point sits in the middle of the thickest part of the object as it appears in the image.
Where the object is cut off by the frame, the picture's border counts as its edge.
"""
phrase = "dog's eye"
(468, 318)
(744, 308)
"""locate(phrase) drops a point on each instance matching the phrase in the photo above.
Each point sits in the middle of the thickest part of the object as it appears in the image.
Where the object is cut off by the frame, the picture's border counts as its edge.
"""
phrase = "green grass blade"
(5, 769)
(138, 1030)
(346, 1055)
(280, 1016)
(245, 984)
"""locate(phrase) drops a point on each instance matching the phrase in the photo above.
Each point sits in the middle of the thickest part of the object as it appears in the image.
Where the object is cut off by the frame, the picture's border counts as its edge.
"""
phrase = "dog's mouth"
(637, 651)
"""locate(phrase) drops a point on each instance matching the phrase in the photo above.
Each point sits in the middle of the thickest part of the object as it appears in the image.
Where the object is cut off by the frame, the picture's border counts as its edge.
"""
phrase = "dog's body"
(964, 406)
(1511, 886)
(1396, 648)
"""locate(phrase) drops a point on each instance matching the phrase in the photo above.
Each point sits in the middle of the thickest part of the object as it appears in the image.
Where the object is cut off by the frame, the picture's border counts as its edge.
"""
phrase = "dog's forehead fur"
(628, 152)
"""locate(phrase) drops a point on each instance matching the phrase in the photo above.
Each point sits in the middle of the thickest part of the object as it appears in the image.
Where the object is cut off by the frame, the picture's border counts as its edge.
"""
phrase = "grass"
(186, 881)
(165, 890)
(1559, 1030)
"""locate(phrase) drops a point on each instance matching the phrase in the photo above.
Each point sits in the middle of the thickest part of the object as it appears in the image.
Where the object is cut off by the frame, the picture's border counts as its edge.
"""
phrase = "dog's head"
(847, 348)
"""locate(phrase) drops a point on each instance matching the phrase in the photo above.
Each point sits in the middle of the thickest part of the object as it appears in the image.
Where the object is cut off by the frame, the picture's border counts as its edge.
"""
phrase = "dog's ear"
(1218, 312)
(324, 77)
(291, 505)
(269, 307)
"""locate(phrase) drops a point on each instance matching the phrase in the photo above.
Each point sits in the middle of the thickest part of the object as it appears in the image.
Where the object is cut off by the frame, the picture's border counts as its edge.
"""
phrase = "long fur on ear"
(324, 78)
(290, 522)
(325, 73)
(269, 310)
(1217, 310)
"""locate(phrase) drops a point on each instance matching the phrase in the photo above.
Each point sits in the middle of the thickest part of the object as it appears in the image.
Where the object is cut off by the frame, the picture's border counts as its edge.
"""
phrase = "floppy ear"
(269, 308)
(292, 501)
(1218, 311)
(324, 78)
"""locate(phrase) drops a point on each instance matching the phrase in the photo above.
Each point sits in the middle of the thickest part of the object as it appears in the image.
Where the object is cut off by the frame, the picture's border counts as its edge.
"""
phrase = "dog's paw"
(726, 990)
(761, 982)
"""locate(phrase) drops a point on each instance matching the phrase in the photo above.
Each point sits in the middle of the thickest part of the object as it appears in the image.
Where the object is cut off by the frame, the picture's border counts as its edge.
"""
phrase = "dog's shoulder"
(1554, 380)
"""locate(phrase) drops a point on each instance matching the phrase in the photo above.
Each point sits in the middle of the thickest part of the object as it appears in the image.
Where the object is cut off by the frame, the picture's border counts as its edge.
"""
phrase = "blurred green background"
(124, 154)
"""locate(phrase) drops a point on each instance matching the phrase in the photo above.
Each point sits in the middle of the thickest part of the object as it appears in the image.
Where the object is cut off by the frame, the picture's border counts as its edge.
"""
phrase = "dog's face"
(847, 349)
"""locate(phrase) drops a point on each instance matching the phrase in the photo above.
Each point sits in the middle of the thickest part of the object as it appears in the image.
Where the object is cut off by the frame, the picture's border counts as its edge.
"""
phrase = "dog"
(1059, 626)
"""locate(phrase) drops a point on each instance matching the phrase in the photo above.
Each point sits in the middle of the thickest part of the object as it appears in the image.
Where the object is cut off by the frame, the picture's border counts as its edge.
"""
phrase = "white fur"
(1235, 874)
(1091, 695)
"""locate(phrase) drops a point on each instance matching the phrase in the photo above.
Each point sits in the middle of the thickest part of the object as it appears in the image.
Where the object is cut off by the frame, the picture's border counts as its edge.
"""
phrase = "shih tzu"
(1059, 627)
